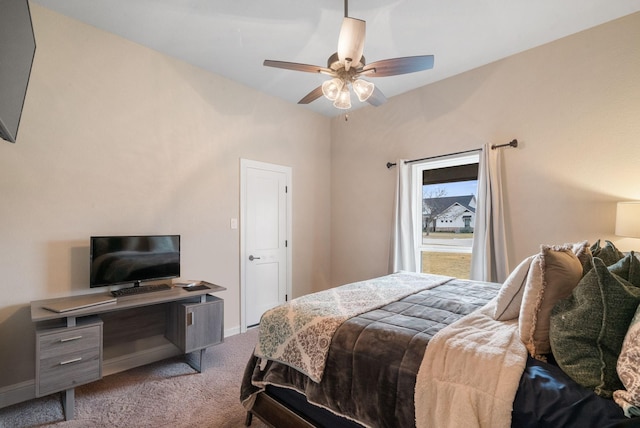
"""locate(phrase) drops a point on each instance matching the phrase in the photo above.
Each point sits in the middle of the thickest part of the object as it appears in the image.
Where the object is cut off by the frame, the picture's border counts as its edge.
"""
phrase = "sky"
(461, 188)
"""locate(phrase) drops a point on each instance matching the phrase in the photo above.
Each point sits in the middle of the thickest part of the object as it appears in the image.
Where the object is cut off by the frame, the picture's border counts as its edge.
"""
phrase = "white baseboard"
(232, 331)
(24, 391)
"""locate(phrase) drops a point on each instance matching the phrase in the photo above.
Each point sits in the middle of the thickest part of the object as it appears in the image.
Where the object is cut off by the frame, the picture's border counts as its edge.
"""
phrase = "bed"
(440, 352)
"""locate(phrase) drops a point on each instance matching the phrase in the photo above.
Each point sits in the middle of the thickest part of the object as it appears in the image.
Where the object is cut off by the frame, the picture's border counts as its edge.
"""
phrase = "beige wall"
(118, 139)
(574, 106)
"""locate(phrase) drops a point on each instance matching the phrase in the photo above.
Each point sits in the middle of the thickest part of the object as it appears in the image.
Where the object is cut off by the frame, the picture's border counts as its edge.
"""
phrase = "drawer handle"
(69, 339)
(75, 360)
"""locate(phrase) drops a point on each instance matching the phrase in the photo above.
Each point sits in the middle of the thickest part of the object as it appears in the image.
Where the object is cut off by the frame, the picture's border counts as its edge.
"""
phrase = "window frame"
(417, 169)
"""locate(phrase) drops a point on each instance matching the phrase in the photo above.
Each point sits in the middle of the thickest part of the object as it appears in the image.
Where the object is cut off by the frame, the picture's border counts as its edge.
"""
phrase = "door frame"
(287, 170)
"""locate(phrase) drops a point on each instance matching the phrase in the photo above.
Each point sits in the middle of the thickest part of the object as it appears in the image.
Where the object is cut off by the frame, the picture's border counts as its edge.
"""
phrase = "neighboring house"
(449, 214)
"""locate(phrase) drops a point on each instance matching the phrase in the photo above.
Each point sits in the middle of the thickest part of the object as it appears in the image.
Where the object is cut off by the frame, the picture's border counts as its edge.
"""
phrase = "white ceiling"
(233, 37)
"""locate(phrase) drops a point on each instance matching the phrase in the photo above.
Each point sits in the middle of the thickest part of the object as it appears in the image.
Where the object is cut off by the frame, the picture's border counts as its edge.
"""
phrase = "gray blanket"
(372, 364)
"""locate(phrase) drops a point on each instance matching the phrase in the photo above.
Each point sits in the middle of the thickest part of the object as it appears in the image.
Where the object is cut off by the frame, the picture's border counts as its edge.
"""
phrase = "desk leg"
(68, 403)
(196, 359)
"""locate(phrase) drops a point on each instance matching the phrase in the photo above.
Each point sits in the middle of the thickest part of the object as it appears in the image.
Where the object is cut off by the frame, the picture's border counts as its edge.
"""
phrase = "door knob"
(253, 258)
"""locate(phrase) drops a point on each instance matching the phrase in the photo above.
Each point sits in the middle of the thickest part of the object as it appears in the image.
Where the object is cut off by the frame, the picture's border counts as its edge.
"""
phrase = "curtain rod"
(512, 143)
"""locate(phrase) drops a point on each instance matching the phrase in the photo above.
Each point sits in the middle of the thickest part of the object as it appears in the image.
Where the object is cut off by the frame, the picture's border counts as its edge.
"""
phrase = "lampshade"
(363, 89)
(628, 219)
(331, 88)
(344, 99)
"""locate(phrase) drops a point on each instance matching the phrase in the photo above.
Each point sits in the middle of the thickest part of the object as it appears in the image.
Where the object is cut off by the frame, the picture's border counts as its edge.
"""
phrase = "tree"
(433, 206)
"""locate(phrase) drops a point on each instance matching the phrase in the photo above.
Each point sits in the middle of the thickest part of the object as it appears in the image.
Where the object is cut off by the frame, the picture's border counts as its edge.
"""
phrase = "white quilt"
(470, 373)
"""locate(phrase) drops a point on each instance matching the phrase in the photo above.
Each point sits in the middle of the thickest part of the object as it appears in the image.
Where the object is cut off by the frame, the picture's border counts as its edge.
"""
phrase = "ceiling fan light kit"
(347, 65)
(363, 89)
(343, 101)
(331, 88)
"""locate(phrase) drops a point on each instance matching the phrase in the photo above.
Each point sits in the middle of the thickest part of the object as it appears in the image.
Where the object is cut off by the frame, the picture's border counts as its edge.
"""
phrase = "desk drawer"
(68, 340)
(68, 357)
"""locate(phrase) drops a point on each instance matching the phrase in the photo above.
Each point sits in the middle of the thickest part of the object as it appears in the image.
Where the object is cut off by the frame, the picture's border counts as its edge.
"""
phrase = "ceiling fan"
(347, 66)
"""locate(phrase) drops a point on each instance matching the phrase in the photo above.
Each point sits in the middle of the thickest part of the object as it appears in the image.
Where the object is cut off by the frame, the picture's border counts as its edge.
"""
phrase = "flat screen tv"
(17, 48)
(133, 259)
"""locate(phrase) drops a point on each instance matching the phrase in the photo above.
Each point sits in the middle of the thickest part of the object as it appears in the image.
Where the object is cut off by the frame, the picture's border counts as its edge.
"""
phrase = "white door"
(265, 235)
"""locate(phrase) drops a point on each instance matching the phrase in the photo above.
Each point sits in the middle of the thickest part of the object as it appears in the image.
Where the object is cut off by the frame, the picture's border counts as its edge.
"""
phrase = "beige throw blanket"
(470, 373)
(299, 332)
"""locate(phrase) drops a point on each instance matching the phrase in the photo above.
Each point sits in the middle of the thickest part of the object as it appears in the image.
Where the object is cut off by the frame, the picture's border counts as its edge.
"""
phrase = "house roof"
(442, 204)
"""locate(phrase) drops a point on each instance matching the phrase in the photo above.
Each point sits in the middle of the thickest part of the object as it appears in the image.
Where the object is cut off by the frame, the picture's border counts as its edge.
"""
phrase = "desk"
(82, 346)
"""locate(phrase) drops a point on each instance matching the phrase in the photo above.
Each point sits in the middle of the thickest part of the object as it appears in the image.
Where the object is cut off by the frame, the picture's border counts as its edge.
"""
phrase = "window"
(446, 203)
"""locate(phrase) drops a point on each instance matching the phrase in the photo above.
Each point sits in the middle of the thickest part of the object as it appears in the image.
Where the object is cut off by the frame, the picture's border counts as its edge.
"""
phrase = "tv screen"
(17, 48)
(133, 259)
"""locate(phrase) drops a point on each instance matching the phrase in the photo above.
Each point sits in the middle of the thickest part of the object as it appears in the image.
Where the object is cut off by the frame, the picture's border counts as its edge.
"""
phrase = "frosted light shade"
(628, 219)
(344, 99)
(363, 89)
(331, 88)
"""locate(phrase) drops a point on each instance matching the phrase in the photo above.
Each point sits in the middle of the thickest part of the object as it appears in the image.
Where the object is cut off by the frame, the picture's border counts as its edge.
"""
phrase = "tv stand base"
(82, 346)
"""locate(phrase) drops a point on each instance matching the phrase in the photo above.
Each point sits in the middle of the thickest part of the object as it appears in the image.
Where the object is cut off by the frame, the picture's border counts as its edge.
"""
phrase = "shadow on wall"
(17, 347)
(67, 268)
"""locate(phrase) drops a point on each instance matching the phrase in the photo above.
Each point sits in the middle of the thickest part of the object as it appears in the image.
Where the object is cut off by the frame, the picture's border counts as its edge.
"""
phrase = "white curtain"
(489, 258)
(403, 247)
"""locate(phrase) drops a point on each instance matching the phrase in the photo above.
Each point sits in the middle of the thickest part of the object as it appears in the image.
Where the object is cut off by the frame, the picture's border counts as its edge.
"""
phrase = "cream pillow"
(582, 250)
(629, 370)
(553, 275)
(510, 295)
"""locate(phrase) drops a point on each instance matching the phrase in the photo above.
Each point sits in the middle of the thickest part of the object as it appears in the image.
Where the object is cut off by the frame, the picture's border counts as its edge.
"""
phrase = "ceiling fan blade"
(311, 96)
(377, 98)
(351, 41)
(298, 67)
(395, 66)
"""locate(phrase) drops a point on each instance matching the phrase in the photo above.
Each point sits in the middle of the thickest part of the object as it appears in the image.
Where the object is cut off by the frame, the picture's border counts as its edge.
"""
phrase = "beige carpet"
(168, 393)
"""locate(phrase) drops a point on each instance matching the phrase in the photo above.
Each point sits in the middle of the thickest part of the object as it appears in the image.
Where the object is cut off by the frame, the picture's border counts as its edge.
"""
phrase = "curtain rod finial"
(389, 165)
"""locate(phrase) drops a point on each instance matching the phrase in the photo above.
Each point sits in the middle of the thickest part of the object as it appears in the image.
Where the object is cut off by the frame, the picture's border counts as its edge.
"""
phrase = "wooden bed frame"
(275, 414)
(283, 407)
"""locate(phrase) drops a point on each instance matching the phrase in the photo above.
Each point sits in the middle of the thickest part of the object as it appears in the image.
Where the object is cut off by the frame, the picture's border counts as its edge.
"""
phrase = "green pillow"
(588, 328)
(609, 254)
(628, 268)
